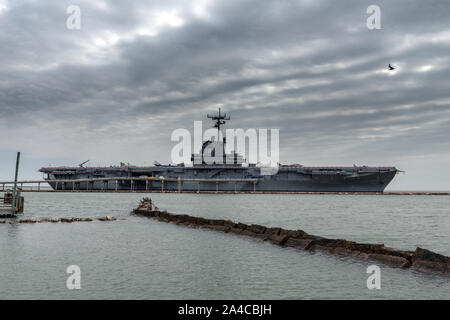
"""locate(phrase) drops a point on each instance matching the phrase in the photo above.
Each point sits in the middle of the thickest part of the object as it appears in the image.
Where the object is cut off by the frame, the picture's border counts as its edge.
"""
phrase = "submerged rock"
(393, 261)
(426, 260)
(107, 218)
(29, 220)
(299, 243)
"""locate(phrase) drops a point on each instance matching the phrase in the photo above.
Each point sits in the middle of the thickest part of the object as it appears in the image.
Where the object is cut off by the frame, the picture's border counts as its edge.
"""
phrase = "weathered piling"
(420, 259)
(12, 202)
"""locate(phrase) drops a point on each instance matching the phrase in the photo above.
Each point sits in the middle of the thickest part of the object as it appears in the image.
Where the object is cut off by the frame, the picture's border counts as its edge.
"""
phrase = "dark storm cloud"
(137, 70)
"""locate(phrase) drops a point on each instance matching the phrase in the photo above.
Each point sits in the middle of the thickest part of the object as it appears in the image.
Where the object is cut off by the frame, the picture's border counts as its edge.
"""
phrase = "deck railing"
(74, 184)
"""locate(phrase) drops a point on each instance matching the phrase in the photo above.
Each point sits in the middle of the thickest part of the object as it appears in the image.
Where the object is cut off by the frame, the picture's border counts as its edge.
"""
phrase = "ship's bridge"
(213, 153)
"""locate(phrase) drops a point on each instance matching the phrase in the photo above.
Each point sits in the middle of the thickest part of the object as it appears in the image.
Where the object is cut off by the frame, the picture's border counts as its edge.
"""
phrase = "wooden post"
(146, 185)
(198, 187)
(217, 186)
(117, 185)
(14, 196)
(39, 186)
(56, 186)
(131, 185)
(179, 184)
(63, 185)
(254, 186)
(235, 187)
(162, 185)
(73, 185)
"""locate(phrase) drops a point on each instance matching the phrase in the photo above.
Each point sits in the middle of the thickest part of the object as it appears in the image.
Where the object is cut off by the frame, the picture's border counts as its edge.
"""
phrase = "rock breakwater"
(420, 259)
(56, 220)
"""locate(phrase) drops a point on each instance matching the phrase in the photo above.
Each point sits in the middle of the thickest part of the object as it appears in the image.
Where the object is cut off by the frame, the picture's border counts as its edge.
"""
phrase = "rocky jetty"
(420, 259)
(56, 220)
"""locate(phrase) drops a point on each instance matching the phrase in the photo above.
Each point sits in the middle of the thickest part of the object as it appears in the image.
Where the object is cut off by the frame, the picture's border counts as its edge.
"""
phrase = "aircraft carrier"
(230, 175)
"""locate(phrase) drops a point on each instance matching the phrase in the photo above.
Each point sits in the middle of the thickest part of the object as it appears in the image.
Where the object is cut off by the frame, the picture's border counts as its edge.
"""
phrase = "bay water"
(140, 258)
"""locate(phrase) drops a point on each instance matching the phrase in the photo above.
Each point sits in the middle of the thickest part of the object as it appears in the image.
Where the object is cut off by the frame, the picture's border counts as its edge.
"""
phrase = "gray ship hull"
(214, 178)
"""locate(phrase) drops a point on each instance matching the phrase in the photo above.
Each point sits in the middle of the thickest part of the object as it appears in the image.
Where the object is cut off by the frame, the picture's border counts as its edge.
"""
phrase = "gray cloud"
(114, 90)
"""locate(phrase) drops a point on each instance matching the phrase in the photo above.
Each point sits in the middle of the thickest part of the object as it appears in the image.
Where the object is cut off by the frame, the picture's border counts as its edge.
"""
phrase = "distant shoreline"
(386, 193)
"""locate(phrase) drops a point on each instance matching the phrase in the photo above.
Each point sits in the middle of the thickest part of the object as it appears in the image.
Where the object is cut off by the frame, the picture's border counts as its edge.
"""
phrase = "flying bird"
(391, 67)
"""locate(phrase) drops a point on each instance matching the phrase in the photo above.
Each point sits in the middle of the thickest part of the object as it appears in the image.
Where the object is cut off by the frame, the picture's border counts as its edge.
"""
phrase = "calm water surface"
(145, 259)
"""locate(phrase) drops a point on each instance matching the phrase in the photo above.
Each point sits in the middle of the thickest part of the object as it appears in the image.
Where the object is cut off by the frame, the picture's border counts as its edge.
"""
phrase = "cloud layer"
(115, 89)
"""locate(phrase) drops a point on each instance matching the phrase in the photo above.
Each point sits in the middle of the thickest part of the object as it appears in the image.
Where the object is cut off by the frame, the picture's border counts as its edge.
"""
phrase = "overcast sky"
(136, 70)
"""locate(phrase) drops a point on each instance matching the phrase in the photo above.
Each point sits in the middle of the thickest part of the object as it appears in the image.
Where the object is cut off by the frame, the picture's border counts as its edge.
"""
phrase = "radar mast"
(220, 120)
